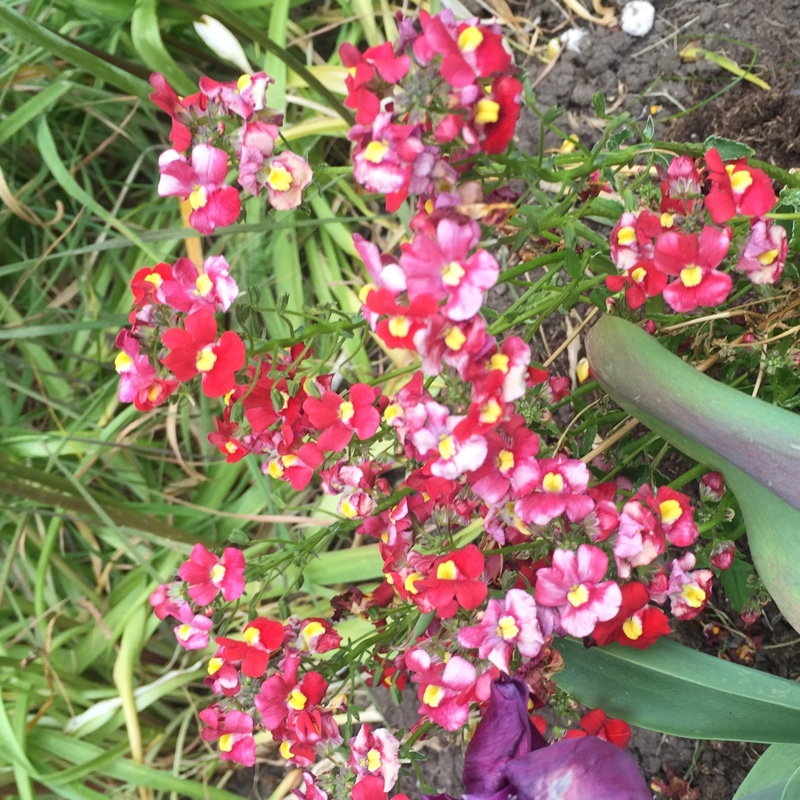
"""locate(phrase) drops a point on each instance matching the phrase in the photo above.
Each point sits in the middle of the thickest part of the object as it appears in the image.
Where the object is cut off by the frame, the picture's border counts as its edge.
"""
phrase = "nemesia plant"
(496, 542)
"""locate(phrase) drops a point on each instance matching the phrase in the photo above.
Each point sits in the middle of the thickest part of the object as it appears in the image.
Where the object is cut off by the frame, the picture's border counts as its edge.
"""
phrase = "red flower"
(261, 638)
(194, 349)
(499, 112)
(737, 189)
(455, 580)
(641, 282)
(636, 624)
(596, 723)
(339, 419)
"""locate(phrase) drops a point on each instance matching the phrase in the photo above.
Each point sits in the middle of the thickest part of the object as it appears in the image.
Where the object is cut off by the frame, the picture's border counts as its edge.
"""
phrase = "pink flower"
(445, 694)
(640, 539)
(440, 269)
(682, 188)
(506, 624)
(288, 175)
(242, 97)
(208, 575)
(689, 590)
(192, 633)
(632, 238)
(563, 489)
(509, 467)
(573, 585)
(764, 255)
(452, 455)
(203, 183)
(677, 517)
(384, 270)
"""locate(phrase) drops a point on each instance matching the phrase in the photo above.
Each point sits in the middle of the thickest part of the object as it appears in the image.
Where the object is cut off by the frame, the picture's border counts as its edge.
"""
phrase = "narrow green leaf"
(146, 37)
(676, 690)
(31, 109)
(30, 31)
(49, 153)
(275, 65)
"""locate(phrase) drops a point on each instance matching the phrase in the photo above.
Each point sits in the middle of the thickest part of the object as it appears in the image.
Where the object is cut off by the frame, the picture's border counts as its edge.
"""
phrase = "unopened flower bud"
(223, 43)
(722, 554)
(582, 370)
(712, 487)
(649, 327)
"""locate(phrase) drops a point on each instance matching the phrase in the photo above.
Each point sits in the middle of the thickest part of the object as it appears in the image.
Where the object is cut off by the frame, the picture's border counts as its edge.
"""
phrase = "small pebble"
(572, 38)
(637, 18)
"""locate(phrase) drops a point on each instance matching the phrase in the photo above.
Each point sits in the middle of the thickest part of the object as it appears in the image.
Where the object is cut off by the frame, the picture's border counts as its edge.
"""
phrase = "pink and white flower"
(375, 753)
(190, 289)
(574, 585)
(506, 624)
(441, 269)
(764, 254)
(563, 489)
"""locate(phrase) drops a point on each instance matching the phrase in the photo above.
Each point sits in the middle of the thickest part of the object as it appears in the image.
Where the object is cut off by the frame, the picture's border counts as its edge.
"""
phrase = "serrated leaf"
(775, 767)
(729, 150)
(676, 690)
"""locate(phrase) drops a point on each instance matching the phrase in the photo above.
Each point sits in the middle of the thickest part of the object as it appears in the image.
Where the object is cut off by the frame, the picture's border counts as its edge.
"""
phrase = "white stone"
(637, 18)
(572, 38)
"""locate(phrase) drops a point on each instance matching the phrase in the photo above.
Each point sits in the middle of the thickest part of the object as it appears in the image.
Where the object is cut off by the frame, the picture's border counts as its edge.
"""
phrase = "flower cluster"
(220, 123)
(424, 108)
(678, 251)
(565, 551)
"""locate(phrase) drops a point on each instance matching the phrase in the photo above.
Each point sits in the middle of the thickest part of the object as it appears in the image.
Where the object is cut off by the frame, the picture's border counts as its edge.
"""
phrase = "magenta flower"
(441, 269)
(506, 624)
(234, 730)
(509, 466)
(191, 289)
(203, 183)
(575, 586)
(208, 575)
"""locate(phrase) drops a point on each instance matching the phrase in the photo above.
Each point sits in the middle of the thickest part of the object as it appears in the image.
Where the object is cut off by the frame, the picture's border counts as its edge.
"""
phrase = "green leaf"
(146, 38)
(729, 150)
(50, 156)
(28, 30)
(755, 445)
(676, 690)
(778, 764)
(31, 109)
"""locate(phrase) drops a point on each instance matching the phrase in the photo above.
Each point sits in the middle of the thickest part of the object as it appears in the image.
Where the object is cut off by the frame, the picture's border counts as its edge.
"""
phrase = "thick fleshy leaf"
(577, 769)
(676, 690)
(754, 444)
(768, 778)
(760, 439)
